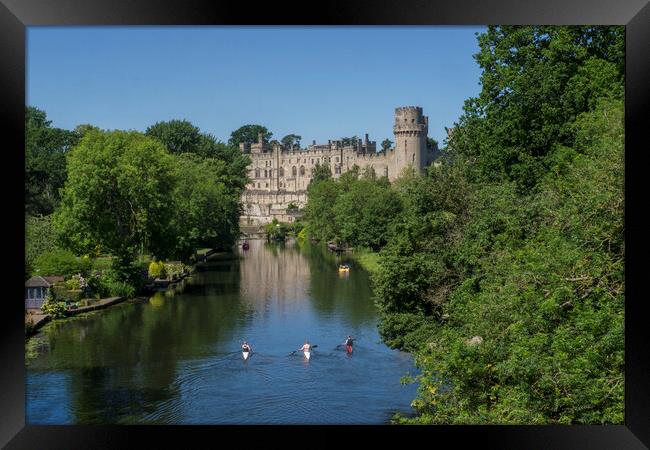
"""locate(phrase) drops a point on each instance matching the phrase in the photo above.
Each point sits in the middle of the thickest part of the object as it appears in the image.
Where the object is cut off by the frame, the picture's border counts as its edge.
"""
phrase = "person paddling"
(245, 347)
(348, 344)
(306, 347)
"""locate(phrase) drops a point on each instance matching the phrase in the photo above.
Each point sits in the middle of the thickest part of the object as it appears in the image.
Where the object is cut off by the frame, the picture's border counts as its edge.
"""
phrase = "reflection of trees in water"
(123, 361)
(349, 294)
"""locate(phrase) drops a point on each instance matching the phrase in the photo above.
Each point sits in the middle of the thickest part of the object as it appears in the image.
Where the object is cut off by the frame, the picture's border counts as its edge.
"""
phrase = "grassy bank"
(368, 259)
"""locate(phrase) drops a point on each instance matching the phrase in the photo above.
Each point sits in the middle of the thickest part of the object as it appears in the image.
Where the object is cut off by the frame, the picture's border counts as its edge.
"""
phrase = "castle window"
(281, 171)
(258, 185)
(312, 160)
(302, 170)
(257, 173)
(413, 157)
(266, 174)
(293, 171)
(336, 159)
(267, 184)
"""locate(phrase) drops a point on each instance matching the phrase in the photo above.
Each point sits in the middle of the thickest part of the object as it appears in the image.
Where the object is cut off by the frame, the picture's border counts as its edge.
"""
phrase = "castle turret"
(410, 129)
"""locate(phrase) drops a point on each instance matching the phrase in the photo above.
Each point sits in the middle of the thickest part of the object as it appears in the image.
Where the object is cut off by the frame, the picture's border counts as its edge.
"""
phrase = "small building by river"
(36, 289)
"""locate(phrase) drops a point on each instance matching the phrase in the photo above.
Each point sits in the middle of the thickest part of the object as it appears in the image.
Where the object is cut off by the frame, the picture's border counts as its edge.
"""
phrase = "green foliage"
(321, 172)
(349, 141)
(368, 259)
(117, 193)
(120, 289)
(125, 269)
(386, 144)
(249, 134)
(302, 235)
(290, 140)
(39, 238)
(356, 211)
(53, 306)
(60, 262)
(363, 213)
(45, 161)
(72, 284)
(535, 82)
(179, 136)
(174, 270)
(276, 231)
(539, 277)
(157, 269)
(98, 285)
(503, 272)
(206, 206)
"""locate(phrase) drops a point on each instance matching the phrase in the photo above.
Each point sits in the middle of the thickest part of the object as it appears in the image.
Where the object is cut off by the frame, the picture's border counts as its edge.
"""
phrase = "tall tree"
(179, 136)
(248, 134)
(386, 144)
(206, 206)
(536, 80)
(45, 164)
(321, 172)
(117, 194)
(290, 140)
(347, 141)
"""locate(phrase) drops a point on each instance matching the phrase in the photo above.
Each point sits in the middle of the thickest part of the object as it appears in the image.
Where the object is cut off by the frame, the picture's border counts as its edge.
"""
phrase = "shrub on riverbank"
(60, 262)
(504, 270)
(156, 269)
(53, 306)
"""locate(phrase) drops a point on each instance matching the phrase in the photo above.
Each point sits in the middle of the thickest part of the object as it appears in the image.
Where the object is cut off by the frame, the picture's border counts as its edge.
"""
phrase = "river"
(173, 358)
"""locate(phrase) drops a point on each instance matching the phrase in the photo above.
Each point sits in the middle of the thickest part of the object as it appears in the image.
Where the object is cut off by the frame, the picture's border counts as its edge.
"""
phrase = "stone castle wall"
(280, 176)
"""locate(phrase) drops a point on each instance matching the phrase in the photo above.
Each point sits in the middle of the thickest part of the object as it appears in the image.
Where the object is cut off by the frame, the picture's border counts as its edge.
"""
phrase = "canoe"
(245, 354)
(348, 348)
(307, 354)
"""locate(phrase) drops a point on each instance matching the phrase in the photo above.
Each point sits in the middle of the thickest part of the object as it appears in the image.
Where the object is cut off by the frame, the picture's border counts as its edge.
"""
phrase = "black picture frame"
(16, 15)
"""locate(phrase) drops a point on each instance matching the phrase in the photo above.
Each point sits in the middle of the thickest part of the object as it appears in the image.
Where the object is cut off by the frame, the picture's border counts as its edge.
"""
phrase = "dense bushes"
(355, 210)
(53, 306)
(156, 269)
(278, 231)
(503, 268)
(60, 262)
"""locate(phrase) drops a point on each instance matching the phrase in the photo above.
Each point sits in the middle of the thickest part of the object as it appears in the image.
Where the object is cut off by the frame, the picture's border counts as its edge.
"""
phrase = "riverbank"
(175, 359)
(368, 259)
(34, 321)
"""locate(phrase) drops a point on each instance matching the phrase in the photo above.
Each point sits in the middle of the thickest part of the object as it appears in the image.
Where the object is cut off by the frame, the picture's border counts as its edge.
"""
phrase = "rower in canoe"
(348, 344)
(306, 349)
(246, 350)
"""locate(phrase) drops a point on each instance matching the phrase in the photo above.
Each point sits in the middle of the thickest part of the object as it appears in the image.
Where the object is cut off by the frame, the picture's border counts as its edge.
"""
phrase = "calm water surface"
(174, 359)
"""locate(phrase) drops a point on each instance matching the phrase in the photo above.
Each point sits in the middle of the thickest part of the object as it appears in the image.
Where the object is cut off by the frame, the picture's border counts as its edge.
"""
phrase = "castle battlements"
(279, 176)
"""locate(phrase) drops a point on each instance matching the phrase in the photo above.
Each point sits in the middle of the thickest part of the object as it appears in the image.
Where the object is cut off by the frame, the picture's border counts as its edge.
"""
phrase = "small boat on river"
(344, 268)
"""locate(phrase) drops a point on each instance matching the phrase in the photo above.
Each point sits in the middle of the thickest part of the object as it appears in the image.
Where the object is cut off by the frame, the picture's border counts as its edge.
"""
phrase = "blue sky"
(318, 82)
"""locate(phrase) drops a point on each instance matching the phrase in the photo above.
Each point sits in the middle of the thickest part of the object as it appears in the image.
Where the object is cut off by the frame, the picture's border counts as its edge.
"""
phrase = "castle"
(280, 176)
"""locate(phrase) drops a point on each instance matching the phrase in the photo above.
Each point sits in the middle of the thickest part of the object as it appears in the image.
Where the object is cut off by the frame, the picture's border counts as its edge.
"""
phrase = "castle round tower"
(411, 129)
